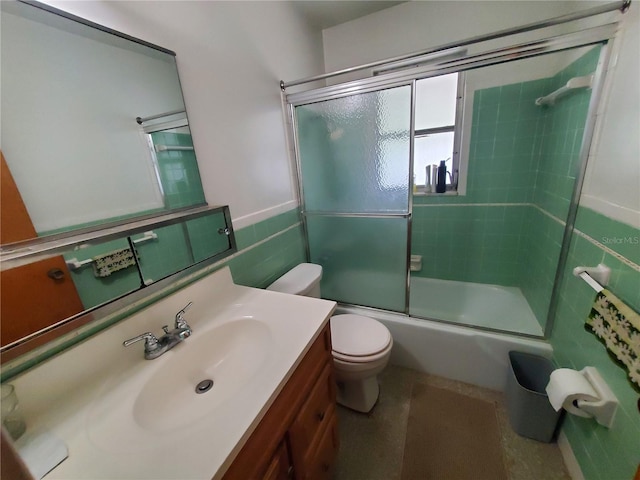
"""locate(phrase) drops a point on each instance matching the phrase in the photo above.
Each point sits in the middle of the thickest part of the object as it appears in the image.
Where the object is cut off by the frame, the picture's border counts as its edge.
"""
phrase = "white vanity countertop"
(124, 417)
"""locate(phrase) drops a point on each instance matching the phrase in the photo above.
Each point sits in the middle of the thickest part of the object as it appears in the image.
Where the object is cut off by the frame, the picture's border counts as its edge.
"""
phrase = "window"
(438, 124)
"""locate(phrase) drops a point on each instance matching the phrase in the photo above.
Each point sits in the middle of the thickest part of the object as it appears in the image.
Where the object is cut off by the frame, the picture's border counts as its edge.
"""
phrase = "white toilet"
(361, 345)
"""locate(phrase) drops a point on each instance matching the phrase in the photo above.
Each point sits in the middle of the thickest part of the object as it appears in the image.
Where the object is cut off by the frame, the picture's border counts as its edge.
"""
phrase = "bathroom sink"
(229, 355)
(162, 396)
(122, 416)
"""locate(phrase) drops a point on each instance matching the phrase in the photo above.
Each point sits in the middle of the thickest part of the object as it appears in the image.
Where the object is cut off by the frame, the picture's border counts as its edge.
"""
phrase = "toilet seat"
(359, 339)
(362, 360)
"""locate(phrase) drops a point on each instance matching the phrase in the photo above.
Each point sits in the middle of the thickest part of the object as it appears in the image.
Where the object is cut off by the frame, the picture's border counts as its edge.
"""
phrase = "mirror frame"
(89, 23)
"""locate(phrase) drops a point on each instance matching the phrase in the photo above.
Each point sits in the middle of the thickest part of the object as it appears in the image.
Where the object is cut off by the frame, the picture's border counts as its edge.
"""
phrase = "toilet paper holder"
(604, 408)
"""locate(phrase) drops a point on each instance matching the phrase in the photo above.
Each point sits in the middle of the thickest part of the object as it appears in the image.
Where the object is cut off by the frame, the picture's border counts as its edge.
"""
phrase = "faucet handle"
(150, 341)
(180, 321)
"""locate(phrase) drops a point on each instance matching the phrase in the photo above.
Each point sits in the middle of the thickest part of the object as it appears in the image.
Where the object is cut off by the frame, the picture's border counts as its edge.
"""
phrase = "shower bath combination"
(497, 241)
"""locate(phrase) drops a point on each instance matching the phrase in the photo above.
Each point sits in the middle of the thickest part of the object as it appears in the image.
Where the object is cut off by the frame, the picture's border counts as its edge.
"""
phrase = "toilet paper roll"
(566, 386)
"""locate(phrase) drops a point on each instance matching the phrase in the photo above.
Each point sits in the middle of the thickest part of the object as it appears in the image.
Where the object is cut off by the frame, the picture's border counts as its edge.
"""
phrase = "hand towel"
(108, 263)
(617, 326)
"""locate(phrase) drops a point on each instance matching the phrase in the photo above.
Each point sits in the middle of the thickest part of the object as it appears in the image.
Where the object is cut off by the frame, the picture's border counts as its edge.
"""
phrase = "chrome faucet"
(180, 321)
(154, 347)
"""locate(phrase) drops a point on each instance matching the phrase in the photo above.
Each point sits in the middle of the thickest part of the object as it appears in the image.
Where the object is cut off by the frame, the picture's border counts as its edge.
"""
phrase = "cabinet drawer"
(314, 414)
(322, 456)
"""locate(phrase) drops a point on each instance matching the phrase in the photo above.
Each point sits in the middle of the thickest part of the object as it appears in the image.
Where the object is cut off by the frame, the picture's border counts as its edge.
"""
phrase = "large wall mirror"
(95, 137)
(94, 127)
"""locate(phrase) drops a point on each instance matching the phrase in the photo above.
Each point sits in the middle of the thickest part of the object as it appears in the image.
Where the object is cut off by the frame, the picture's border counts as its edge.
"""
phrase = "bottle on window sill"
(441, 185)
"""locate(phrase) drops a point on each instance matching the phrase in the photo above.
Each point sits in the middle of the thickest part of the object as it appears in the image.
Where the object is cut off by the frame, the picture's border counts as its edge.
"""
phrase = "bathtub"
(476, 304)
(461, 353)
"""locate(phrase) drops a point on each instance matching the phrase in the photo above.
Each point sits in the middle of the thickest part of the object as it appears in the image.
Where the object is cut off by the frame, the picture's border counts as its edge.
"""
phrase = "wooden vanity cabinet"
(298, 436)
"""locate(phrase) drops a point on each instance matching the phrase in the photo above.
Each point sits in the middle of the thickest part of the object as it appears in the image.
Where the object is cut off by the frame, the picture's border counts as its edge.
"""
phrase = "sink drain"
(204, 386)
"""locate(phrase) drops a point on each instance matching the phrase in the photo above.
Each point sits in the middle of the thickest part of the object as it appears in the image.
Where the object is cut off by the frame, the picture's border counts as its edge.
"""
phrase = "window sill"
(449, 193)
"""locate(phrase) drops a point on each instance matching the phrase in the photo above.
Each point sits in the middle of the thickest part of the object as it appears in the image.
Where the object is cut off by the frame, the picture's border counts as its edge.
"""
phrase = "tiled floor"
(372, 445)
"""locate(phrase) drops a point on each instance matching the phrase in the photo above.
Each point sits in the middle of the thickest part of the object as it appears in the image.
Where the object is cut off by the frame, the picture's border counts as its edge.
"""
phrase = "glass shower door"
(354, 155)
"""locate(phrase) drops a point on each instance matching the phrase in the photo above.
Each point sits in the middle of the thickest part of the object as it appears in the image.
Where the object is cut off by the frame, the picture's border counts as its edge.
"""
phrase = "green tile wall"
(482, 243)
(539, 255)
(474, 243)
(603, 454)
(521, 156)
(557, 152)
(258, 263)
(561, 132)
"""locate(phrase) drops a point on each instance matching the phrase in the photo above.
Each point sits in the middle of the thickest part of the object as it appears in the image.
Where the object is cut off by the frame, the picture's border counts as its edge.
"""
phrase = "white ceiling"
(328, 13)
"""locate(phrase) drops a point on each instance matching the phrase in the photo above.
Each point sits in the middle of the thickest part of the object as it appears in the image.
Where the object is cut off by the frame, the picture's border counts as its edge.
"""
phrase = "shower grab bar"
(573, 84)
(75, 264)
(596, 277)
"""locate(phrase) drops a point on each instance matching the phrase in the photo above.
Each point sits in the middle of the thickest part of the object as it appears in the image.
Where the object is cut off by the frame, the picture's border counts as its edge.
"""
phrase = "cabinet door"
(57, 295)
(320, 464)
(57, 298)
(280, 467)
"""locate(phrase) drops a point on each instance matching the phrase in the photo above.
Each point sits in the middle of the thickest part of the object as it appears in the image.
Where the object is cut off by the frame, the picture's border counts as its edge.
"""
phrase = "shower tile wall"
(479, 237)
(472, 243)
(522, 165)
(602, 453)
(561, 137)
(539, 255)
(560, 132)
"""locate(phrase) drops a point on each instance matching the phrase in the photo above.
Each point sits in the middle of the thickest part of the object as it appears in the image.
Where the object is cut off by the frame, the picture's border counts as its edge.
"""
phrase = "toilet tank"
(303, 279)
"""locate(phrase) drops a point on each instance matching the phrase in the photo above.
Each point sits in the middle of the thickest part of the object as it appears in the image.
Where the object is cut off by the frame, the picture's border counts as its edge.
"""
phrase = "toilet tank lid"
(299, 280)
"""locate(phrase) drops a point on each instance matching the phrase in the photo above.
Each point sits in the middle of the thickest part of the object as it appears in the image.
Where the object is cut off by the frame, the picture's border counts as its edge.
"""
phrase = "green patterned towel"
(108, 263)
(618, 328)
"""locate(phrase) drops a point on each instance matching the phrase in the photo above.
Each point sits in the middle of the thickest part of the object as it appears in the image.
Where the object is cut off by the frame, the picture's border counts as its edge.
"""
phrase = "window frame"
(457, 170)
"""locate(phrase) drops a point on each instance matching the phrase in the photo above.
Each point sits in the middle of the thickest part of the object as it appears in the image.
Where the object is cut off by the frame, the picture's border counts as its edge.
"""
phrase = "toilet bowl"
(361, 346)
